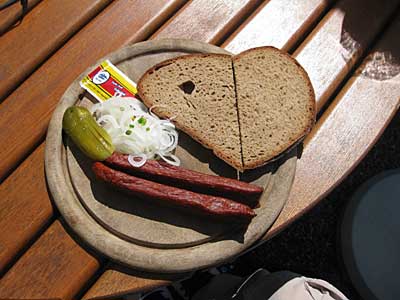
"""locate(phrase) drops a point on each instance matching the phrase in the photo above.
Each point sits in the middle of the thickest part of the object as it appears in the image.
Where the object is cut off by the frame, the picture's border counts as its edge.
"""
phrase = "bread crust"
(312, 117)
(190, 131)
(195, 135)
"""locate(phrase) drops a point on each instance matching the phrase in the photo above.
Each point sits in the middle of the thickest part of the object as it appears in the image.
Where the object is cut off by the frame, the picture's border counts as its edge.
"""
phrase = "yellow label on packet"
(108, 81)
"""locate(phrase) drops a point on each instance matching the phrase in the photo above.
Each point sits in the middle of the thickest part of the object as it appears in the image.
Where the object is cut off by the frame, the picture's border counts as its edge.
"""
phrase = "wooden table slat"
(25, 206)
(339, 40)
(23, 195)
(348, 128)
(207, 21)
(102, 288)
(112, 277)
(114, 283)
(299, 201)
(54, 267)
(278, 23)
(10, 15)
(64, 55)
(45, 86)
(42, 31)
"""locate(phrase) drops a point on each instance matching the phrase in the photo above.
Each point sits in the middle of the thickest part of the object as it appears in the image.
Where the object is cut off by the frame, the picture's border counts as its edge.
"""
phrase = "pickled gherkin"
(91, 139)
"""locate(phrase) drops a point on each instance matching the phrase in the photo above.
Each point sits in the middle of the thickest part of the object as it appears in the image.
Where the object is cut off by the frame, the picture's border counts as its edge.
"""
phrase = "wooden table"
(350, 48)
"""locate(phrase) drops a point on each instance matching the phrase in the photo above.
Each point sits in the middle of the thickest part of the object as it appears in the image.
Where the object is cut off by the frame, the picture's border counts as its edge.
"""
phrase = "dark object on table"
(370, 237)
(24, 4)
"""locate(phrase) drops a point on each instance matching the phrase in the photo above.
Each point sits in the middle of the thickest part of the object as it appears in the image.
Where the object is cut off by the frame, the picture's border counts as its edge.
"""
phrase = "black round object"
(370, 237)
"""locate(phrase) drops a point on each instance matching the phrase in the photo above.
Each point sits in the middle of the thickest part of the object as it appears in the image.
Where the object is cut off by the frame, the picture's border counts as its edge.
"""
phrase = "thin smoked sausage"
(183, 178)
(145, 189)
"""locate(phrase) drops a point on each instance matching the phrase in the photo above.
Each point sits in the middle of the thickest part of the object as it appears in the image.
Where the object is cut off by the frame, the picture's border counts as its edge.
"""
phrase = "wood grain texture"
(278, 23)
(348, 128)
(321, 160)
(207, 21)
(121, 23)
(139, 282)
(43, 30)
(105, 286)
(115, 282)
(25, 206)
(16, 234)
(339, 40)
(54, 267)
(225, 243)
(10, 15)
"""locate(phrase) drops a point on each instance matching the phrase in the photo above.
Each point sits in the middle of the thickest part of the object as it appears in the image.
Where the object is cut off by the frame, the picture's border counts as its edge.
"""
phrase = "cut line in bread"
(276, 103)
(247, 108)
(199, 90)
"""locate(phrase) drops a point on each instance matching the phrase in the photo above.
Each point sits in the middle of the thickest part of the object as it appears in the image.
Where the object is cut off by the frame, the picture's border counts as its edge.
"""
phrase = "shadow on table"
(383, 63)
(150, 209)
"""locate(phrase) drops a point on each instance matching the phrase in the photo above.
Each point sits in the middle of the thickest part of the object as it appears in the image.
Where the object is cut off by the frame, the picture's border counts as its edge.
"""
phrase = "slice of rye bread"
(199, 91)
(276, 103)
(248, 108)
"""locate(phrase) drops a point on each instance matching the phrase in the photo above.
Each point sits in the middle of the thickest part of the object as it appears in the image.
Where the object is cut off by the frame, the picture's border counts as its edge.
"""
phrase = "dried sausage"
(180, 177)
(206, 204)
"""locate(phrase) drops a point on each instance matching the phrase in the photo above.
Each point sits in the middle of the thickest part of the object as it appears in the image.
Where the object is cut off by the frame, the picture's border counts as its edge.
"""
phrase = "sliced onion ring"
(151, 138)
(175, 161)
(142, 160)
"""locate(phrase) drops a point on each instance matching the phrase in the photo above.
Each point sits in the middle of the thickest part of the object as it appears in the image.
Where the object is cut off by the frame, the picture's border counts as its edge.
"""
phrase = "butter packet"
(108, 81)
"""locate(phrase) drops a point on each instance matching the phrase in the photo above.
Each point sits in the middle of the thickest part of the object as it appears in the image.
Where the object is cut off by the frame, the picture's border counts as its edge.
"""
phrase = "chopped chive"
(142, 121)
(131, 126)
(128, 132)
(148, 129)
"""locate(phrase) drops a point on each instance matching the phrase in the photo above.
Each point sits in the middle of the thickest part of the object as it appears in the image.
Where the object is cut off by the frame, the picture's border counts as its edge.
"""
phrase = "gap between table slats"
(54, 267)
(348, 128)
(295, 21)
(240, 10)
(207, 21)
(25, 206)
(61, 69)
(46, 28)
(282, 24)
(134, 27)
(102, 286)
(117, 281)
(11, 15)
(333, 48)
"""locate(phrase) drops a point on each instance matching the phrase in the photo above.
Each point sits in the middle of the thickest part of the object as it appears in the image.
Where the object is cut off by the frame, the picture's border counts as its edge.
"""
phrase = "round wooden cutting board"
(139, 233)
